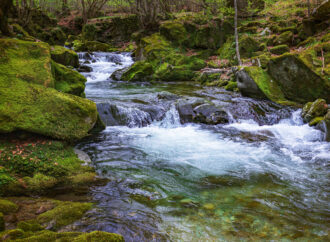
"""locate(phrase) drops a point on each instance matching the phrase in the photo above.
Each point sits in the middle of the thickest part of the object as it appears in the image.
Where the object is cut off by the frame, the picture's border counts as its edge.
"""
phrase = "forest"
(164, 120)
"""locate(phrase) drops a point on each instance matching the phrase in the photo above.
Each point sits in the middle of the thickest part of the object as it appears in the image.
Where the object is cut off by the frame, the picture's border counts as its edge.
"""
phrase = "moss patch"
(7, 207)
(64, 56)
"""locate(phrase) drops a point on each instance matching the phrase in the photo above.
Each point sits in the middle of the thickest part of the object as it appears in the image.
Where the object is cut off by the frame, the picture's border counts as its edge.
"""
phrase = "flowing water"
(264, 175)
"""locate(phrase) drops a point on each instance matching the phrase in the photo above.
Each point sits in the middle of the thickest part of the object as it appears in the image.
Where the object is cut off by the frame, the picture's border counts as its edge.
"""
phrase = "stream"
(259, 175)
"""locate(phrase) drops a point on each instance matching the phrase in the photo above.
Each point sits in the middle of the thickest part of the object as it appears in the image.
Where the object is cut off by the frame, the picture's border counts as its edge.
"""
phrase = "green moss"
(83, 178)
(316, 121)
(68, 81)
(28, 61)
(39, 182)
(173, 31)
(140, 71)
(280, 49)
(154, 47)
(64, 214)
(227, 51)
(98, 236)
(261, 60)
(7, 207)
(231, 86)
(269, 87)
(31, 225)
(92, 46)
(167, 72)
(64, 56)
(12, 234)
(46, 111)
(284, 38)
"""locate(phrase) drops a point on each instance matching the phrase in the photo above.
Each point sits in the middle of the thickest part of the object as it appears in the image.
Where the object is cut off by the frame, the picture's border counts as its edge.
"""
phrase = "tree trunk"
(236, 35)
(5, 7)
(84, 16)
(309, 7)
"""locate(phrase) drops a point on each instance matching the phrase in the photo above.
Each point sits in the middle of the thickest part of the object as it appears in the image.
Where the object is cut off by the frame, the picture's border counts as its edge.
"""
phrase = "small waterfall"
(171, 118)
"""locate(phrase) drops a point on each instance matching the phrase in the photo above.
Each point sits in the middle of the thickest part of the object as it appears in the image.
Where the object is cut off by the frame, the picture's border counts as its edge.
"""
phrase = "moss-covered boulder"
(315, 109)
(68, 80)
(34, 108)
(28, 61)
(280, 49)
(167, 72)
(54, 36)
(247, 46)
(7, 207)
(284, 38)
(140, 71)
(255, 82)
(261, 60)
(64, 56)
(298, 81)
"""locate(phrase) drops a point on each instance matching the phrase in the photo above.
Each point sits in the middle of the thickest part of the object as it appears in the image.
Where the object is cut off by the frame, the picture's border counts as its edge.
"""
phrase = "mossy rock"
(68, 80)
(247, 46)
(89, 32)
(173, 31)
(284, 38)
(28, 61)
(13, 234)
(255, 82)
(63, 214)
(322, 12)
(30, 226)
(7, 207)
(227, 51)
(139, 71)
(92, 46)
(279, 49)
(313, 110)
(34, 108)
(54, 36)
(297, 80)
(231, 86)
(261, 60)
(21, 33)
(64, 56)
(167, 72)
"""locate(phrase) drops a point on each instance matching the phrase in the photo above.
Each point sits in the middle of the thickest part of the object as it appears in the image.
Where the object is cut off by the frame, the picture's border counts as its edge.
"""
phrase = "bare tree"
(236, 35)
(309, 7)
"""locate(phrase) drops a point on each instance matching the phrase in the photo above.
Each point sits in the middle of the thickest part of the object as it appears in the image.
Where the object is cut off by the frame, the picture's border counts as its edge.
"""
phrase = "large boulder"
(140, 71)
(313, 110)
(64, 56)
(255, 82)
(28, 61)
(68, 80)
(297, 80)
(37, 109)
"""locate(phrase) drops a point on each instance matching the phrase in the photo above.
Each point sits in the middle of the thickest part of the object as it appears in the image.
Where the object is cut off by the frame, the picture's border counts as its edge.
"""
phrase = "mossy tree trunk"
(5, 7)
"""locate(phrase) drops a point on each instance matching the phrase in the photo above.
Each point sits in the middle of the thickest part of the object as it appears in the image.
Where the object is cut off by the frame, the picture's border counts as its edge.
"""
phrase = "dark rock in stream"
(84, 68)
(116, 75)
(186, 107)
(209, 114)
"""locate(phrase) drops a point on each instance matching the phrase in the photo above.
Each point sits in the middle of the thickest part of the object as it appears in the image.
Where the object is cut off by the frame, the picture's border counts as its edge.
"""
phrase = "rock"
(28, 61)
(284, 38)
(209, 114)
(313, 110)
(324, 125)
(46, 111)
(64, 56)
(68, 81)
(83, 156)
(297, 81)
(231, 86)
(261, 60)
(116, 75)
(84, 68)
(55, 36)
(279, 50)
(247, 46)
(186, 107)
(173, 31)
(167, 72)
(322, 12)
(139, 71)
(100, 237)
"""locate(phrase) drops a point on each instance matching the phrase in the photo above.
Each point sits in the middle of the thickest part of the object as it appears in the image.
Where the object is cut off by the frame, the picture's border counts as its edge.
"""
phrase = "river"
(263, 175)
